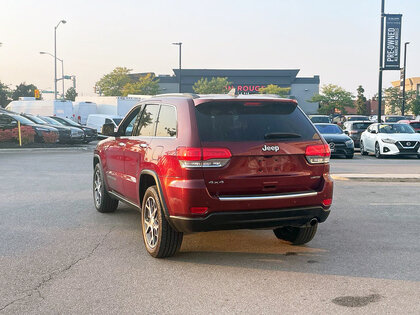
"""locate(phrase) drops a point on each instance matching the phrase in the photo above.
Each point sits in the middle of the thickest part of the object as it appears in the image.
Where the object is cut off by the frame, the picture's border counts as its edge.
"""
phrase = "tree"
(214, 86)
(415, 106)
(112, 84)
(361, 101)
(146, 85)
(393, 99)
(4, 95)
(332, 98)
(71, 94)
(275, 89)
(24, 90)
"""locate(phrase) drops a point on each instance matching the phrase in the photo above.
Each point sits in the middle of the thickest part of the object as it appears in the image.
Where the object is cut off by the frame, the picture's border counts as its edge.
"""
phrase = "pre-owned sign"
(392, 41)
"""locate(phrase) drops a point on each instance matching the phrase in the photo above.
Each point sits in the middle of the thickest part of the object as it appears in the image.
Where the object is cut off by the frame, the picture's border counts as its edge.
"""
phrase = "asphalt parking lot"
(58, 255)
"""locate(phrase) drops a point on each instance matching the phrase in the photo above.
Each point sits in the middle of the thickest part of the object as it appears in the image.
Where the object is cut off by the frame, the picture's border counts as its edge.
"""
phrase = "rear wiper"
(281, 135)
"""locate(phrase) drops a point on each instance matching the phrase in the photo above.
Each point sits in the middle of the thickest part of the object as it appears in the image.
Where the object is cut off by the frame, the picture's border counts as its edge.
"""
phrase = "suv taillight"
(203, 157)
(318, 154)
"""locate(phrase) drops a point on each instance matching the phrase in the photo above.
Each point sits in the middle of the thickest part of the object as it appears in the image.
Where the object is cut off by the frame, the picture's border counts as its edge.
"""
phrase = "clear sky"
(336, 39)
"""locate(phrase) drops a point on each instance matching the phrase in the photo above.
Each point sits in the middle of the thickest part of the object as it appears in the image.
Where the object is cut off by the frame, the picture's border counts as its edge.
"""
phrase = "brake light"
(327, 202)
(203, 157)
(198, 210)
(318, 154)
(352, 132)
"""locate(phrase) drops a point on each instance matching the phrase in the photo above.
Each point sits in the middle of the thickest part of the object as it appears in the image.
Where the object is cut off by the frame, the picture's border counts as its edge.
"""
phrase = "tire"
(160, 239)
(349, 156)
(102, 200)
(296, 235)
(362, 149)
(378, 154)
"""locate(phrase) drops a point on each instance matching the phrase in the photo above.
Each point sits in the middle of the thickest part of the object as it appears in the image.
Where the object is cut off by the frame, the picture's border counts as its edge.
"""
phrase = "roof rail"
(190, 95)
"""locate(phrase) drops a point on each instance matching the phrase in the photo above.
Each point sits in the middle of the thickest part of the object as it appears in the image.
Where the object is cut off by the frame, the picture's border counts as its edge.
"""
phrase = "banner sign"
(392, 41)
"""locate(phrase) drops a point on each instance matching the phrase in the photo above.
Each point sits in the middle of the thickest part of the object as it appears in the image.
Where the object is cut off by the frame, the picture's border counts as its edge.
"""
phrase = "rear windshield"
(394, 118)
(318, 119)
(252, 121)
(362, 126)
(415, 125)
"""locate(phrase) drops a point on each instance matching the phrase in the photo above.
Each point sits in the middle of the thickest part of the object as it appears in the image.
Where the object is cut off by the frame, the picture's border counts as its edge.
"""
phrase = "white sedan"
(390, 139)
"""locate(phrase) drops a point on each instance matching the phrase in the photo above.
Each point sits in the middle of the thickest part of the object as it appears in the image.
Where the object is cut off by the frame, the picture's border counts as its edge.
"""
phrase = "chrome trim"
(268, 197)
(123, 199)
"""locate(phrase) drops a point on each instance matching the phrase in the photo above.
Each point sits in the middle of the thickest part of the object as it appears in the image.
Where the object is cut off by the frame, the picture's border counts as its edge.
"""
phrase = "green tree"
(415, 106)
(214, 86)
(71, 94)
(393, 99)
(112, 84)
(23, 90)
(361, 101)
(332, 98)
(4, 95)
(275, 89)
(146, 85)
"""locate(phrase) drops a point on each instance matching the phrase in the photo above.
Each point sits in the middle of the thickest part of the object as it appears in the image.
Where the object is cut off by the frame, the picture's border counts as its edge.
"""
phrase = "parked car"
(207, 163)
(10, 121)
(354, 129)
(320, 119)
(415, 124)
(390, 139)
(339, 142)
(392, 118)
(66, 134)
(90, 133)
(96, 121)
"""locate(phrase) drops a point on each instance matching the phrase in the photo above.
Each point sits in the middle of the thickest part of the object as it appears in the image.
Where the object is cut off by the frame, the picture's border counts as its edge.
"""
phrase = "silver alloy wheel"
(151, 222)
(97, 186)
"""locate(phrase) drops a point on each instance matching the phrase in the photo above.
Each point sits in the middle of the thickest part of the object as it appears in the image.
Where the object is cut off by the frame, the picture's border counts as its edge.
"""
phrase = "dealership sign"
(246, 88)
(392, 41)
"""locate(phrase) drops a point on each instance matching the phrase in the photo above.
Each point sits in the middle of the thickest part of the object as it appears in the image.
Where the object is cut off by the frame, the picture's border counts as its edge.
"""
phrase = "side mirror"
(346, 132)
(374, 131)
(108, 130)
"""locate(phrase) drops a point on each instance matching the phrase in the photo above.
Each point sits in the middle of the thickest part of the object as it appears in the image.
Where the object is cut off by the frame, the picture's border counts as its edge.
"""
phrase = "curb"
(378, 177)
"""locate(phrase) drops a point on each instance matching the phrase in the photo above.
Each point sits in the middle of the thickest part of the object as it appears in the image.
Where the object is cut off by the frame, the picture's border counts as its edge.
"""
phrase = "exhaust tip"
(313, 222)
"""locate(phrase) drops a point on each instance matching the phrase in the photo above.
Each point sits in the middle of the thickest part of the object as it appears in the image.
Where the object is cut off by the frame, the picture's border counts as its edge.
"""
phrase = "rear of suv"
(203, 163)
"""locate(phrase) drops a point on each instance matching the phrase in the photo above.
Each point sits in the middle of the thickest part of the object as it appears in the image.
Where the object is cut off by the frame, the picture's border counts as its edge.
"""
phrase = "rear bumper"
(256, 219)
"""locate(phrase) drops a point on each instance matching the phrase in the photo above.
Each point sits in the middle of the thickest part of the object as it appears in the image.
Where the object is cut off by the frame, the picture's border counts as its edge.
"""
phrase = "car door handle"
(121, 144)
(143, 145)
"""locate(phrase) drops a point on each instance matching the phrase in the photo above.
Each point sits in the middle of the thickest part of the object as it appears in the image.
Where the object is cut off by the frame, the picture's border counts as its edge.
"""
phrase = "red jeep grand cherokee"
(194, 163)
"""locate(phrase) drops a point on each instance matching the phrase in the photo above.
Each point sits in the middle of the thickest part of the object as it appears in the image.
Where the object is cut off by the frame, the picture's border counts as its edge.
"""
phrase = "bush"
(49, 137)
(12, 135)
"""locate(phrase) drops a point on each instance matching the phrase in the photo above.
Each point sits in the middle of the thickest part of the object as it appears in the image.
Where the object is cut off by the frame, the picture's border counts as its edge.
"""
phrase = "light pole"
(403, 91)
(62, 66)
(55, 57)
(381, 60)
(180, 74)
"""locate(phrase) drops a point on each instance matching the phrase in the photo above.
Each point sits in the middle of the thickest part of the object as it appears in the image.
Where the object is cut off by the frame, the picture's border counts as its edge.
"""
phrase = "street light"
(62, 66)
(180, 75)
(55, 57)
(403, 91)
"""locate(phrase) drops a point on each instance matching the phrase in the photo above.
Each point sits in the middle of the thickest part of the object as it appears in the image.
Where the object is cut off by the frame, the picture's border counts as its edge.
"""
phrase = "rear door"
(267, 140)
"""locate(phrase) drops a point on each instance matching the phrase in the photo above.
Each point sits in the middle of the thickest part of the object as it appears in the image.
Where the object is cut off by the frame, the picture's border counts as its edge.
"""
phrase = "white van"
(60, 108)
(96, 121)
(82, 110)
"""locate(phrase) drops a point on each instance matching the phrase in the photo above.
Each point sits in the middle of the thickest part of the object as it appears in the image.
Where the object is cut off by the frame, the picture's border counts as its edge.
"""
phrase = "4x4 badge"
(274, 148)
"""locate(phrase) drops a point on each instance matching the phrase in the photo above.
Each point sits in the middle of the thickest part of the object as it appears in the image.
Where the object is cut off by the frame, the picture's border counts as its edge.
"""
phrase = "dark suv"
(200, 163)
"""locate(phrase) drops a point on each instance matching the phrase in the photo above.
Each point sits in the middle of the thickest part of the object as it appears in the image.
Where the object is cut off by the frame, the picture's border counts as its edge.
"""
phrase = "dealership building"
(247, 82)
